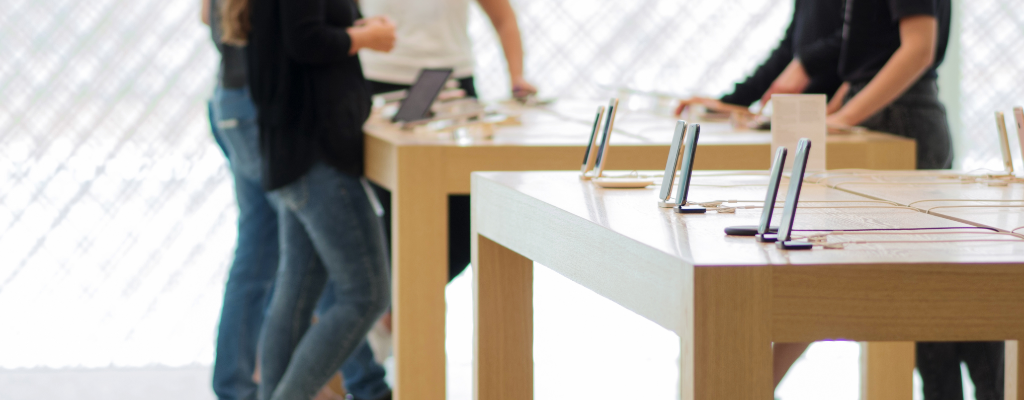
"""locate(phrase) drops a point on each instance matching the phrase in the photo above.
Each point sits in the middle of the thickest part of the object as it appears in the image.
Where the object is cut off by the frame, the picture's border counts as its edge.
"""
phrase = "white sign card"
(796, 116)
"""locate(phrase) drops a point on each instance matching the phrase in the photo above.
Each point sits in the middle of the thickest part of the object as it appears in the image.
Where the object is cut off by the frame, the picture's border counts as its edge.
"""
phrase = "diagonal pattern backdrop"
(116, 209)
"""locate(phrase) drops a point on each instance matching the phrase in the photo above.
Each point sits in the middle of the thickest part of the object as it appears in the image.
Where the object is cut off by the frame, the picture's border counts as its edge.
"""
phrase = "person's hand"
(838, 123)
(714, 105)
(521, 88)
(792, 80)
(838, 99)
(375, 33)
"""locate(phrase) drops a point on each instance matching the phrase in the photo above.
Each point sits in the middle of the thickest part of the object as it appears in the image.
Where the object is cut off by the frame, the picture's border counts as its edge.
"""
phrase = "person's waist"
(926, 86)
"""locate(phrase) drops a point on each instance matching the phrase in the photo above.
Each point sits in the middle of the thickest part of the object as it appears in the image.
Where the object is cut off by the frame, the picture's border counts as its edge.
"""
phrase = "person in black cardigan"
(312, 100)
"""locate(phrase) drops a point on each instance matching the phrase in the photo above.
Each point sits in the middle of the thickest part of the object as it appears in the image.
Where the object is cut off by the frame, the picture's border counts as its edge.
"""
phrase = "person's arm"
(752, 89)
(504, 20)
(204, 12)
(918, 35)
(822, 55)
(309, 39)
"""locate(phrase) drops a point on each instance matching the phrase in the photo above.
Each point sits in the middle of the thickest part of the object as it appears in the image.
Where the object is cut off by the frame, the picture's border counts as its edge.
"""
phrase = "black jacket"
(310, 93)
(814, 37)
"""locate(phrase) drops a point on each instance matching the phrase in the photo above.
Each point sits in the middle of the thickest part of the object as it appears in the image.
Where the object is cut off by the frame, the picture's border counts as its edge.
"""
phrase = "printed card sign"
(796, 116)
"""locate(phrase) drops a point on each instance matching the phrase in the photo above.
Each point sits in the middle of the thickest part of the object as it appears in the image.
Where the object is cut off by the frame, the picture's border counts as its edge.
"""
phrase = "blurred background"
(117, 213)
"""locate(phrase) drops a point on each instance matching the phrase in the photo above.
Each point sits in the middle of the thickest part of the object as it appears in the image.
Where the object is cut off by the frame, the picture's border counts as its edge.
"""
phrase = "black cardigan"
(310, 93)
(812, 38)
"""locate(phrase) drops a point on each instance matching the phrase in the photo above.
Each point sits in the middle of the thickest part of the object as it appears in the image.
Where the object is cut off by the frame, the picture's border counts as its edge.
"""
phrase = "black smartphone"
(796, 181)
(588, 161)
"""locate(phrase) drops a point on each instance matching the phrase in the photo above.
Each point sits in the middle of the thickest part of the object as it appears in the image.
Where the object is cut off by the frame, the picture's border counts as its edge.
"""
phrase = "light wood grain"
(621, 245)
(899, 301)
(1014, 371)
(419, 274)
(732, 344)
(887, 370)
(422, 169)
(503, 329)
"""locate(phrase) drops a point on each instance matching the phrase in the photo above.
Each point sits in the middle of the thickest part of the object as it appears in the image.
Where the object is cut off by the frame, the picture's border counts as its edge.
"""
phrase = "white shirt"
(429, 34)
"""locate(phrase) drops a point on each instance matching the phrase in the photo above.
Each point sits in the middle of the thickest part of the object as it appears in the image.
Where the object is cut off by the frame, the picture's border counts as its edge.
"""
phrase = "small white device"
(671, 166)
(1004, 142)
(620, 182)
(1018, 118)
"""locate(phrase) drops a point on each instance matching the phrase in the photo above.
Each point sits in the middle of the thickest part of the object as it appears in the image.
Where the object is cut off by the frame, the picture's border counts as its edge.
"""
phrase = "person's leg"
(252, 272)
(468, 85)
(939, 366)
(458, 235)
(363, 376)
(985, 363)
(335, 211)
(300, 281)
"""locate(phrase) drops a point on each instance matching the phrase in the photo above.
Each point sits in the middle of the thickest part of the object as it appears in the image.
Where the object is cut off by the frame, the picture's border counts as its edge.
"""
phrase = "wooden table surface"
(728, 298)
(943, 193)
(422, 169)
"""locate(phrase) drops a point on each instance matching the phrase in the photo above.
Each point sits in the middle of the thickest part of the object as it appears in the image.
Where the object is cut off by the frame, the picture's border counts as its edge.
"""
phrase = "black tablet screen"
(422, 94)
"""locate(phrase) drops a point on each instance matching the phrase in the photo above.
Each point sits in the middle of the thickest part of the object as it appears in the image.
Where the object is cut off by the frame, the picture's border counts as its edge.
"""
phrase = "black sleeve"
(751, 90)
(307, 36)
(905, 8)
(822, 56)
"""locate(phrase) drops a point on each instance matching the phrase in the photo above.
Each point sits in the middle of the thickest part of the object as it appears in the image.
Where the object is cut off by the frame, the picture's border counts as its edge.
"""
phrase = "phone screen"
(672, 164)
(796, 181)
(587, 162)
(773, 190)
(689, 154)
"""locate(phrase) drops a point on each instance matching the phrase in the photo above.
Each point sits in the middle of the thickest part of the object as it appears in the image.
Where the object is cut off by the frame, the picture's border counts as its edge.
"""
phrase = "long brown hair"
(234, 21)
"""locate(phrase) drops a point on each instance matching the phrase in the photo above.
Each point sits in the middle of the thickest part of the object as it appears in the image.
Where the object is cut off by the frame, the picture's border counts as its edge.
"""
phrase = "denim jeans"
(328, 230)
(254, 269)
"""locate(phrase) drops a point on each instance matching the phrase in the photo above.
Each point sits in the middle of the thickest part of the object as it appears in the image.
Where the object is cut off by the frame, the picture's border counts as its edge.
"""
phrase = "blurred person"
(435, 34)
(806, 61)
(252, 274)
(891, 50)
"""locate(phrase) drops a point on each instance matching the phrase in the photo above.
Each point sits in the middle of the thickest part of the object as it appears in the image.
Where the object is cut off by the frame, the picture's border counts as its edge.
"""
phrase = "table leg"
(726, 351)
(419, 272)
(887, 370)
(1014, 370)
(503, 330)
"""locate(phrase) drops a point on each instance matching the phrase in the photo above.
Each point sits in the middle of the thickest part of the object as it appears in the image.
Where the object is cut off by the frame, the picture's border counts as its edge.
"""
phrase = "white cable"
(958, 200)
(836, 186)
(841, 245)
(929, 211)
(838, 233)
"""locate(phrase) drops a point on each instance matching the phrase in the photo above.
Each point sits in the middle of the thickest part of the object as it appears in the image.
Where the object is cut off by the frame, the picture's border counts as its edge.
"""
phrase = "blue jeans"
(254, 269)
(329, 230)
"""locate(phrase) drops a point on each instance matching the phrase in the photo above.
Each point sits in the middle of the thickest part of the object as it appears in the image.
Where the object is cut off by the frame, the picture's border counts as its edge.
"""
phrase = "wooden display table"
(729, 298)
(422, 170)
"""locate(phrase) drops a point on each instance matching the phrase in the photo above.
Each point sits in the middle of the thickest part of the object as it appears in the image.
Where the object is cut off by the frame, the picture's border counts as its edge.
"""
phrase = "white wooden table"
(728, 298)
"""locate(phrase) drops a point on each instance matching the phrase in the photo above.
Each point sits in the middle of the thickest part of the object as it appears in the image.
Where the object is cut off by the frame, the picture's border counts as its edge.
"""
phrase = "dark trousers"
(918, 114)
(458, 205)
